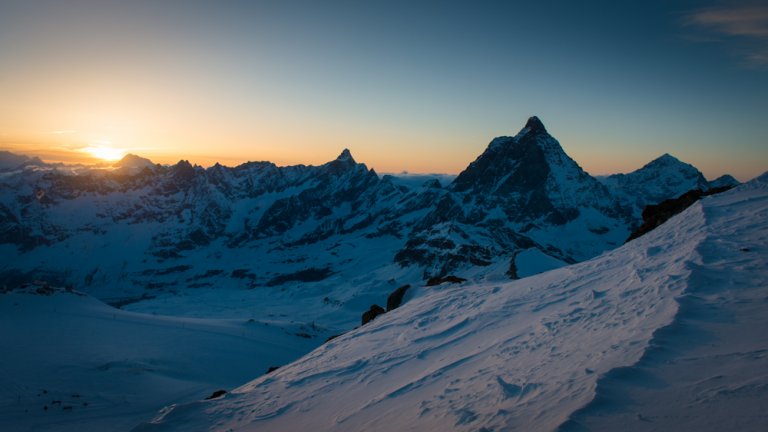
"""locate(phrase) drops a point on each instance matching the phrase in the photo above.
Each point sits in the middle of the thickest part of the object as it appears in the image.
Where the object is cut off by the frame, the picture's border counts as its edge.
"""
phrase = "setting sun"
(105, 153)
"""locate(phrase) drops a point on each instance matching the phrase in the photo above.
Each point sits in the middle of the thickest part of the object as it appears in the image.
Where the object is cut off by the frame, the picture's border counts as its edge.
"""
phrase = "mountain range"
(226, 273)
(143, 230)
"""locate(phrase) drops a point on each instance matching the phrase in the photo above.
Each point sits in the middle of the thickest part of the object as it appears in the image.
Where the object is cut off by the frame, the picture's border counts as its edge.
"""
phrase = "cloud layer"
(746, 27)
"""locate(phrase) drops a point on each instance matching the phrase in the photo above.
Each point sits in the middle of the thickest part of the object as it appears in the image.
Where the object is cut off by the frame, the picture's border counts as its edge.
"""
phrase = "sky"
(405, 85)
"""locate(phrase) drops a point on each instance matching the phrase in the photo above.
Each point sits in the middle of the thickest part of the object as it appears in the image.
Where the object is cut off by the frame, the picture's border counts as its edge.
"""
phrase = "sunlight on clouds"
(104, 152)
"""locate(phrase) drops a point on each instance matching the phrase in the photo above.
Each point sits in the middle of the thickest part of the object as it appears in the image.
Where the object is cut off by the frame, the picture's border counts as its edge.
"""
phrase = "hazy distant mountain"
(415, 180)
(10, 161)
(132, 164)
(723, 180)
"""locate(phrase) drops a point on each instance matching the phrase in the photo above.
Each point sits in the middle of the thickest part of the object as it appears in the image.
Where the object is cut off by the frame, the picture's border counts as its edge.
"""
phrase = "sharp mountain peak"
(534, 124)
(345, 156)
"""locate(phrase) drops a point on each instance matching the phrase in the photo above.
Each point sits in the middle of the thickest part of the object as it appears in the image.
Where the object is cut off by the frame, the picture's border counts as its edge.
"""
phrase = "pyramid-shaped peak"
(346, 156)
(535, 125)
(343, 163)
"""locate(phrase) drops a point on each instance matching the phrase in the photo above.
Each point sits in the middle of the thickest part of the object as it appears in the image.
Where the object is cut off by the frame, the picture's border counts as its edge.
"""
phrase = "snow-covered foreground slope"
(526, 355)
(71, 363)
(709, 369)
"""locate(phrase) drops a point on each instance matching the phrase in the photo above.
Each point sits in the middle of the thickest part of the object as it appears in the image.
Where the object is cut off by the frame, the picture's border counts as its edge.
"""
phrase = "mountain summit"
(665, 176)
(343, 163)
(535, 125)
(514, 196)
(345, 155)
(532, 177)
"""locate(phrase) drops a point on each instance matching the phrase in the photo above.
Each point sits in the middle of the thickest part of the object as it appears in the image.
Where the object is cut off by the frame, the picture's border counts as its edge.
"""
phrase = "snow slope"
(528, 354)
(72, 363)
(708, 370)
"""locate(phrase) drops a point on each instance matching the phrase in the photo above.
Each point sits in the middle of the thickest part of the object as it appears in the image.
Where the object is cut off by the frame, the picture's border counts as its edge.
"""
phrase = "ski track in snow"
(523, 355)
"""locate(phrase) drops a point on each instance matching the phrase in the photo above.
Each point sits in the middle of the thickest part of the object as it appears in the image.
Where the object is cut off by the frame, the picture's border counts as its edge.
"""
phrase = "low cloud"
(744, 28)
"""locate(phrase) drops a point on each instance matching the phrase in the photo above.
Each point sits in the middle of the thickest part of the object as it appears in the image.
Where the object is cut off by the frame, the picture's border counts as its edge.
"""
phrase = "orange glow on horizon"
(385, 154)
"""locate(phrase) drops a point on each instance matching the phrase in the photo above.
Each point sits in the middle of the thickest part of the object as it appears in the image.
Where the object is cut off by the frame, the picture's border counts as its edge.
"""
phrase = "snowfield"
(72, 363)
(666, 332)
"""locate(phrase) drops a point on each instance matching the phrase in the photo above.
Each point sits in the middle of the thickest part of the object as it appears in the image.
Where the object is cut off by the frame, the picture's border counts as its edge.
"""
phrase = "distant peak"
(131, 160)
(346, 156)
(343, 163)
(132, 157)
(535, 125)
(183, 163)
(666, 158)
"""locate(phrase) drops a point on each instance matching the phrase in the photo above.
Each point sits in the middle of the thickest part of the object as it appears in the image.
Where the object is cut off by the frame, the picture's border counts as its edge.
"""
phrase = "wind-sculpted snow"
(525, 355)
(707, 370)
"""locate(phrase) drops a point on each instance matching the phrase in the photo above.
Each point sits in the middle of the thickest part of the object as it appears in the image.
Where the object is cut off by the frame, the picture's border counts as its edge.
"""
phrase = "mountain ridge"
(245, 226)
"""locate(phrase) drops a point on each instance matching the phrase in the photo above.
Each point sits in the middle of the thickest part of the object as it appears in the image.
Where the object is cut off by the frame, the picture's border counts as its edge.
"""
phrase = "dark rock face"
(655, 215)
(535, 125)
(512, 270)
(272, 369)
(216, 394)
(307, 275)
(439, 280)
(395, 299)
(512, 170)
(372, 313)
(332, 337)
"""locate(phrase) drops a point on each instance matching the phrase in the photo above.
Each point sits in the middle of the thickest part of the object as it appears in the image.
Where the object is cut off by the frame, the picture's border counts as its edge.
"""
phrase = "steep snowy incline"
(522, 355)
(708, 370)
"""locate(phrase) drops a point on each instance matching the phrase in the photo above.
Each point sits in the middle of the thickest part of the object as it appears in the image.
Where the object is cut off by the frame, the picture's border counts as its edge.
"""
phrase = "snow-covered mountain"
(662, 178)
(523, 195)
(664, 332)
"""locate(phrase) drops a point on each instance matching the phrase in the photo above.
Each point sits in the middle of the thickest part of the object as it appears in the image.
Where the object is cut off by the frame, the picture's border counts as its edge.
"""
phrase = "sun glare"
(105, 153)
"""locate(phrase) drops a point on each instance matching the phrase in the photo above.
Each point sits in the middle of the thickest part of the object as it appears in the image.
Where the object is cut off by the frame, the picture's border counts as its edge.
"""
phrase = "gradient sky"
(416, 86)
